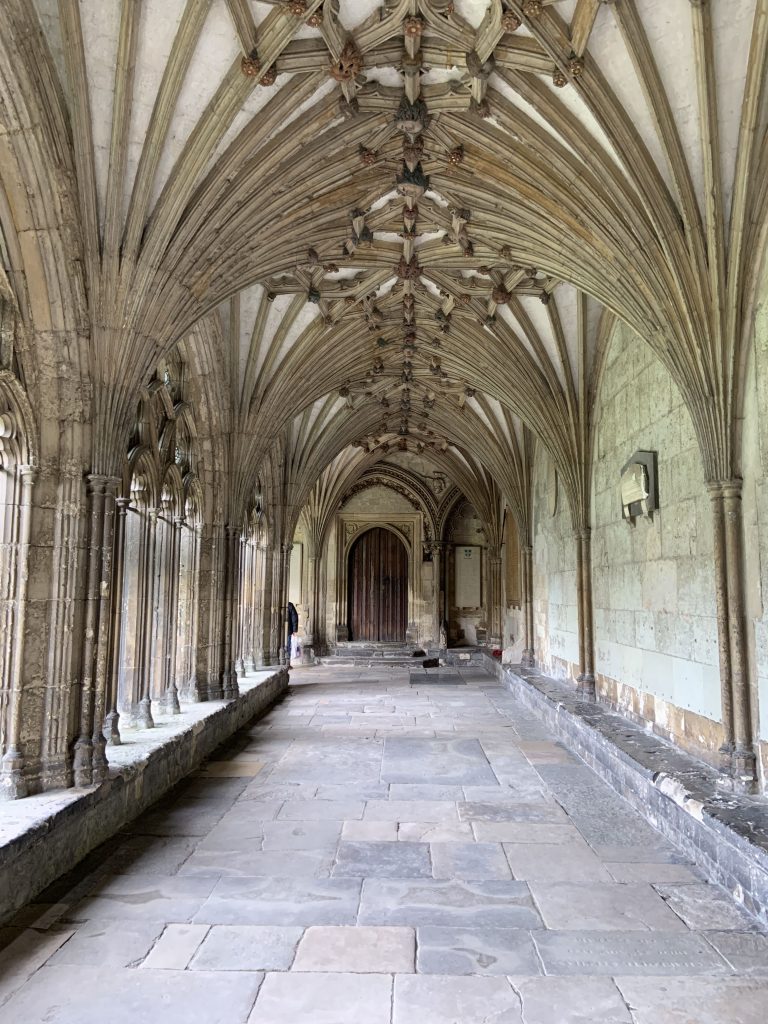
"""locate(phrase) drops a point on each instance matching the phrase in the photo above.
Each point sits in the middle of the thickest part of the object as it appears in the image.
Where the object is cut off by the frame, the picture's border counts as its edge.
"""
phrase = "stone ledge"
(724, 833)
(44, 836)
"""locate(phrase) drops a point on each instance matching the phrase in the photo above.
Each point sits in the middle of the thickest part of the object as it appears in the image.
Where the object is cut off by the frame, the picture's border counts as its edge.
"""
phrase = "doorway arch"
(378, 587)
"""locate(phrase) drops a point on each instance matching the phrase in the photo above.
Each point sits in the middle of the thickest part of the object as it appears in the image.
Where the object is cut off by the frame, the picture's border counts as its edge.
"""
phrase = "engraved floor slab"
(658, 953)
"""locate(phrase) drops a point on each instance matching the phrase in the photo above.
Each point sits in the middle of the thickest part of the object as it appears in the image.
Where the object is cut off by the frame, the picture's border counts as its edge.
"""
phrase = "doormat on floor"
(427, 678)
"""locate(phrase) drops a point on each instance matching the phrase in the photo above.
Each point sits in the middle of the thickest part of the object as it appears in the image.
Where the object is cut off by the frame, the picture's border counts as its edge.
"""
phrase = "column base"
(13, 785)
(100, 764)
(82, 763)
(144, 719)
(214, 688)
(172, 706)
(528, 659)
(585, 687)
(229, 688)
(744, 770)
(240, 667)
(112, 729)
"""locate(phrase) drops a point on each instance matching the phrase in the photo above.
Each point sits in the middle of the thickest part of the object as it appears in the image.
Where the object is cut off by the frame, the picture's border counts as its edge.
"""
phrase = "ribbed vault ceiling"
(416, 221)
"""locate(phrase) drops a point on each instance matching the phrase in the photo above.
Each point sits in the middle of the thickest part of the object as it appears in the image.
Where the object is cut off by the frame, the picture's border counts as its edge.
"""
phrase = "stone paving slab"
(444, 762)
(703, 1000)
(281, 900)
(357, 950)
(445, 999)
(705, 907)
(470, 861)
(246, 948)
(336, 998)
(610, 907)
(571, 1001)
(92, 995)
(383, 860)
(109, 943)
(468, 904)
(451, 951)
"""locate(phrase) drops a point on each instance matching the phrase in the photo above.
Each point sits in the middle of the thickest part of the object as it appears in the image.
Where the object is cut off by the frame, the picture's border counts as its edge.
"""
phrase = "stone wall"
(755, 475)
(555, 615)
(656, 652)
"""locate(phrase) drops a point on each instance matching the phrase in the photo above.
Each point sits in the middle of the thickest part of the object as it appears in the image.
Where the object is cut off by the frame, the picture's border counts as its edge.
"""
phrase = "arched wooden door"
(378, 587)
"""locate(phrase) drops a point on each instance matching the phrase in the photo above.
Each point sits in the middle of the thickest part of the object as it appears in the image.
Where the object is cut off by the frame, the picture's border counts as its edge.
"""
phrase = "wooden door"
(378, 587)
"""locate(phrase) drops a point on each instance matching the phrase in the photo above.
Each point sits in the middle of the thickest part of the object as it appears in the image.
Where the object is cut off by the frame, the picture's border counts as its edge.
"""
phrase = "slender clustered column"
(586, 679)
(100, 768)
(737, 754)
(112, 719)
(146, 631)
(229, 674)
(83, 761)
(528, 656)
(172, 706)
(12, 782)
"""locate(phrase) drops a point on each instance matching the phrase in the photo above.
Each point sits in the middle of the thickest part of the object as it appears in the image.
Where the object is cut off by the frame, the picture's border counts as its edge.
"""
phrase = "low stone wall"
(724, 833)
(42, 837)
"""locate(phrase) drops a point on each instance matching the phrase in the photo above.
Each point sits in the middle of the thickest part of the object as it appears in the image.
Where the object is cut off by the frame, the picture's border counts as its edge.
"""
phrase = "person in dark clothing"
(293, 619)
(294, 650)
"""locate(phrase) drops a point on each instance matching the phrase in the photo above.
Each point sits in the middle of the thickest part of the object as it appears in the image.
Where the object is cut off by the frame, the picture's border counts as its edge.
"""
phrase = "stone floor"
(384, 852)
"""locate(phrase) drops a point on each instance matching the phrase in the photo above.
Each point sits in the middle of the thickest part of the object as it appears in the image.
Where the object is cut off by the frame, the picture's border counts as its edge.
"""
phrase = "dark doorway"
(378, 587)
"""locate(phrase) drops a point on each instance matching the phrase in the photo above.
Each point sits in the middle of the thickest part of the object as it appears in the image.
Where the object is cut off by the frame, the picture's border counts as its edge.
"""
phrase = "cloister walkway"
(392, 851)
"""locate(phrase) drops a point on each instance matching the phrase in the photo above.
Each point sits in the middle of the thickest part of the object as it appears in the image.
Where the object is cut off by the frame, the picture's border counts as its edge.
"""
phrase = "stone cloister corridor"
(393, 852)
(384, 510)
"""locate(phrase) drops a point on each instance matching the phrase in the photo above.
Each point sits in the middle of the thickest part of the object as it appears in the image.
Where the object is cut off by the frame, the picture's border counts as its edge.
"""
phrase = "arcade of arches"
(366, 304)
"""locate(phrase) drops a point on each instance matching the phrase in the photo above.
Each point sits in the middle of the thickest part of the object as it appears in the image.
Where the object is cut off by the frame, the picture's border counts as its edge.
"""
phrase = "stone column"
(586, 678)
(83, 755)
(437, 567)
(229, 675)
(249, 653)
(12, 782)
(145, 629)
(242, 606)
(171, 693)
(494, 597)
(737, 754)
(112, 718)
(268, 646)
(66, 632)
(101, 679)
(528, 656)
(314, 600)
(285, 573)
(191, 687)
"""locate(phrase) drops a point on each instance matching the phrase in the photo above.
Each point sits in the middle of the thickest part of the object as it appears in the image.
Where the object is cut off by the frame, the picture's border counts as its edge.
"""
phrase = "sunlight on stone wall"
(755, 474)
(656, 653)
(554, 576)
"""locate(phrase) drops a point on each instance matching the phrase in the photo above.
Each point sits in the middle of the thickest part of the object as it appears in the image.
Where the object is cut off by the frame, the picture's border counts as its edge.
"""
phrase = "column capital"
(100, 483)
(725, 488)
